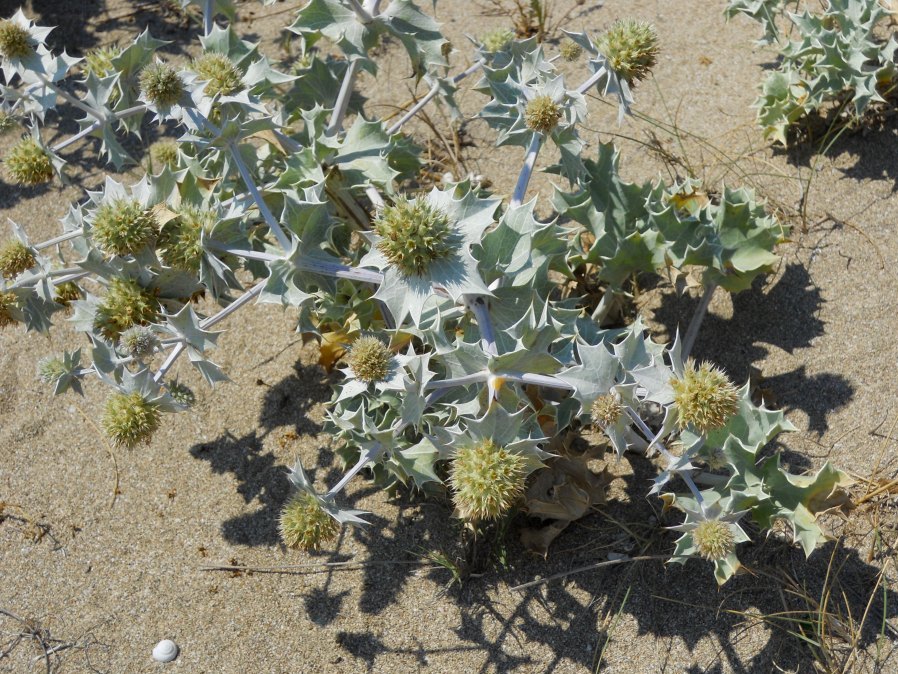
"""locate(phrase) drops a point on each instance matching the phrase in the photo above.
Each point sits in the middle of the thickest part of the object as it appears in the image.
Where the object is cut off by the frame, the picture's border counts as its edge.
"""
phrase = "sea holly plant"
(469, 353)
(829, 56)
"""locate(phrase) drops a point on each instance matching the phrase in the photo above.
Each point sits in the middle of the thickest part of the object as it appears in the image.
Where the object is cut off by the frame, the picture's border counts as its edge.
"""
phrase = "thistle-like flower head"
(486, 480)
(570, 50)
(606, 410)
(125, 305)
(9, 303)
(222, 76)
(497, 40)
(123, 227)
(164, 153)
(161, 84)
(413, 235)
(713, 539)
(15, 40)
(15, 257)
(51, 369)
(180, 241)
(139, 341)
(66, 293)
(28, 163)
(304, 524)
(130, 419)
(542, 114)
(370, 359)
(7, 122)
(631, 48)
(98, 62)
(704, 397)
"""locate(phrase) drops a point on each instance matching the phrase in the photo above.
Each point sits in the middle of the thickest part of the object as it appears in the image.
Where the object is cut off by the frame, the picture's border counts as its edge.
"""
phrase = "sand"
(113, 572)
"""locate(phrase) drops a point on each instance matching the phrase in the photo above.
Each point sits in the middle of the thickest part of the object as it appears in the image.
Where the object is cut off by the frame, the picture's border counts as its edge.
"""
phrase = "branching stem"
(520, 189)
(267, 215)
(336, 121)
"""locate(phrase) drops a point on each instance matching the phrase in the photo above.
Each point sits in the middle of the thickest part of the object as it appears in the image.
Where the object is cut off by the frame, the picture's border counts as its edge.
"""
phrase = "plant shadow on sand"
(570, 619)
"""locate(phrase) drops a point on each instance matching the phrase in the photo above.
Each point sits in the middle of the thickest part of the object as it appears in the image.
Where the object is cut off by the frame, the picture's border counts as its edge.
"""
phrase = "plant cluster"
(468, 348)
(833, 55)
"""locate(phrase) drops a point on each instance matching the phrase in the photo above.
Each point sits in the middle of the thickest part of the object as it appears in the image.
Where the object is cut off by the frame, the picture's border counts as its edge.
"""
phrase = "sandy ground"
(113, 573)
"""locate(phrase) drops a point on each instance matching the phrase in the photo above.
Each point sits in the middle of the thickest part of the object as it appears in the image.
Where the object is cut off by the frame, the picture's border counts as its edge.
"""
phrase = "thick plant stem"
(316, 266)
(429, 96)
(62, 238)
(477, 305)
(270, 220)
(537, 379)
(520, 189)
(166, 366)
(593, 79)
(66, 96)
(97, 125)
(245, 298)
(208, 17)
(439, 384)
(367, 456)
(336, 122)
(697, 318)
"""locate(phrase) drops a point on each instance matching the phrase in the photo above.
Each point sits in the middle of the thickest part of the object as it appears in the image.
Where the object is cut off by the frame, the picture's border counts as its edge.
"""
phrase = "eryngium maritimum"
(542, 114)
(413, 234)
(704, 397)
(631, 48)
(28, 164)
(130, 419)
(713, 539)
(304, 523)
(369, 359)
(486, 480)
(123, 227)
(15, 258)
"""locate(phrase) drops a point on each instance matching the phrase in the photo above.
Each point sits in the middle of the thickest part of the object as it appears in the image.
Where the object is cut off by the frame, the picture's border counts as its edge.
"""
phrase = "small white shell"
(165, 651)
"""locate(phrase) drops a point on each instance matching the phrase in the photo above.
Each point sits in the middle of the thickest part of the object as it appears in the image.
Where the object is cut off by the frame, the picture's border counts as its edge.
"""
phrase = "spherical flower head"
(713, 539)
(222, 76)
(606, 410)
(7, 122)
(138, 342)
(570, 50)
(51, 369)
(123, 227)
(8, 303)
(161, 84)
(705, 397)
(130, 419)
(370, 359)
(28, 164)
(182, 393)
(66, 293)
(180, 242)
(15, 258)
(98, 62)
(542, 114)
(497, 40)
(413, 235)
(125, 305)
(631, 48)
(305, 524)
(164, 153)
(15, 40)
(486, 480)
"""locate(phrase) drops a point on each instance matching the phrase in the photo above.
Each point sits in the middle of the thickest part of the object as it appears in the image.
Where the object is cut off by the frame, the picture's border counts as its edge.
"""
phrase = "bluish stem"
(440, 384)
(696, 322)
(434, 90)
(336, 121)
(267, 215)
(477, 305)
(520, 189)
(537, 379)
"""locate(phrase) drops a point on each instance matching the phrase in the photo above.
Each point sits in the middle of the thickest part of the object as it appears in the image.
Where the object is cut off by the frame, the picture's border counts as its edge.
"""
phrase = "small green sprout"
(413, 235)
(704, 397)
(542, 114)
(486, 481)
(28, 163)
(305, 525)
(15, 257)
(123, 227)
(370, 359)
(631, 48)
(130, 419)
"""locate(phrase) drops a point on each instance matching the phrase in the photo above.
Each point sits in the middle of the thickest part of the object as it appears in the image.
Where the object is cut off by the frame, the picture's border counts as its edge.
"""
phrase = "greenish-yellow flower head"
(15, 257)
(138, 342)
(125, 305)
(605, 411)
(370, 359)
(130, 419)
(713, 539)
(222, 75)
(161, 84)
(305, 525)
(66, 293)
(7, 122)
(51, 369)
(413, 235)
(123, 227)
(631, 48)
(164, 153)
(704, 397)
(542, 114)
(15, 40)
(486, 481)
(180, 241)
(497, 40)
(28, 163)
(8, 303)
(98, 62)
(570, 50)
